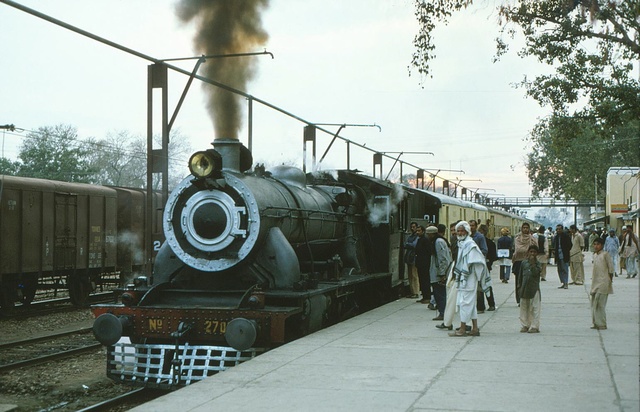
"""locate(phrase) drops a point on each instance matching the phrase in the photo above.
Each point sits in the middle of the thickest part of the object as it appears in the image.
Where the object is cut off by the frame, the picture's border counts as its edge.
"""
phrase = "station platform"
(394, 359)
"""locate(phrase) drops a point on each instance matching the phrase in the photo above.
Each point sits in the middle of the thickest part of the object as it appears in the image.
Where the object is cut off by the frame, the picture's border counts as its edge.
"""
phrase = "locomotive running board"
(150, 365)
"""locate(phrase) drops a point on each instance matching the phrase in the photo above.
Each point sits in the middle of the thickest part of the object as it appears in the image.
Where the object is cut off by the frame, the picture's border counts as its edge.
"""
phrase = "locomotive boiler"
(252, 260)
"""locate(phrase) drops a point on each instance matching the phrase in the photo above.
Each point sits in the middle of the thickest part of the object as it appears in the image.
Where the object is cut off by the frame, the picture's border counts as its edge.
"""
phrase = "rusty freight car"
(60, 235)
(64, 232)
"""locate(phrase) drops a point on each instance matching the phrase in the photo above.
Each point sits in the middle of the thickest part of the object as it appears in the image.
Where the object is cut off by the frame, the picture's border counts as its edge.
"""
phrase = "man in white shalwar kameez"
(470, 268)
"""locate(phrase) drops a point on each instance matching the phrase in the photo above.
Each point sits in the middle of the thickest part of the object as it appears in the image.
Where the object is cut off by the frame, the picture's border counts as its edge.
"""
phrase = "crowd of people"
(453, 275)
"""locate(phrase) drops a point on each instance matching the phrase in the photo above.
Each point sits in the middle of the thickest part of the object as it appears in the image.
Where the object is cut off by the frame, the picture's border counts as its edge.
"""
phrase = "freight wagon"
(61, 235)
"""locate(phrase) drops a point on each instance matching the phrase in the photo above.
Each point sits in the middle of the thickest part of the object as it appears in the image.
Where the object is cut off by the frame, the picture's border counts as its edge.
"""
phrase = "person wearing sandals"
(530, 271)
(469, 269)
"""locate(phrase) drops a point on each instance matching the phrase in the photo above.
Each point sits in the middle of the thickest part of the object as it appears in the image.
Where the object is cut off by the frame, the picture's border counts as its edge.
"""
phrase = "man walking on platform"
(451, 287)
(469, 269)
(543, 251)
(612, 247)
(630, 252)
(490, 257)
(577, 258)
(440, 260)
(530, 292)
(562, 244)
(601, 285)
(522, 242)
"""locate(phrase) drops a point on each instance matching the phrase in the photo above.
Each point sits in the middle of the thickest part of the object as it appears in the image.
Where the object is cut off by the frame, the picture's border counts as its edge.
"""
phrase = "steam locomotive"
(255, 259)
(251, 261)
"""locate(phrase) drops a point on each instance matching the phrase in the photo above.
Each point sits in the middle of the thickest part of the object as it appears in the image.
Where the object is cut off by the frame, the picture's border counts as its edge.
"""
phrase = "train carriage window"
(380, 209)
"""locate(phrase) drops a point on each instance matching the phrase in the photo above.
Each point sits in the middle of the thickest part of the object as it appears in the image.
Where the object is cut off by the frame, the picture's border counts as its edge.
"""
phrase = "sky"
(334, 62)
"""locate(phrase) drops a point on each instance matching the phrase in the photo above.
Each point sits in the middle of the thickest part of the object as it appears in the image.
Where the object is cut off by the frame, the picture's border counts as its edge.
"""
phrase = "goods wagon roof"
(44, 185)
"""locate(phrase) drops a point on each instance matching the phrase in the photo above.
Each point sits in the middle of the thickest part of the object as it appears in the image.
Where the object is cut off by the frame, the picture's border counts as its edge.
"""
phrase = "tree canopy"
(53, 152)
(120, 159)
(593, 97)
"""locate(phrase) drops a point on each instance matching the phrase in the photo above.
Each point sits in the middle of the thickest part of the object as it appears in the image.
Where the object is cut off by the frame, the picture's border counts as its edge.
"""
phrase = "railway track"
(56, 305)
(130, 399)
(43, 349)
(43, 338)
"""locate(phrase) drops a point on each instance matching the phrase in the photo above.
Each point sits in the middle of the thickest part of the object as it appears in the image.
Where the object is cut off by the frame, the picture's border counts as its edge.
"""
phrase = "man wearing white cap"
(470, 268)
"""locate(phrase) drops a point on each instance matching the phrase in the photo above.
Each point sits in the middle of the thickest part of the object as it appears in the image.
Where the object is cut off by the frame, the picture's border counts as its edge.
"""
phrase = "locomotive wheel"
(29, 288)
(79, 290)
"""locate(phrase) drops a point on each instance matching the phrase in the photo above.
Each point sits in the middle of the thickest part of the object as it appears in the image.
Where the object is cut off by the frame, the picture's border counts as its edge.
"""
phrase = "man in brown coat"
(601, 284)
(577, 258)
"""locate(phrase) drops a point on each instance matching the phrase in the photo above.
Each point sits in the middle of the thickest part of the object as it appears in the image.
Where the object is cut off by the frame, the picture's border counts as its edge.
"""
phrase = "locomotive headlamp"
(205, 163)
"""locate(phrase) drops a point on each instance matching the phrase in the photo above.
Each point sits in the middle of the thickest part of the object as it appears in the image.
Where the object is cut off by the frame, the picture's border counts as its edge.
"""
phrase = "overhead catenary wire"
(154, 60)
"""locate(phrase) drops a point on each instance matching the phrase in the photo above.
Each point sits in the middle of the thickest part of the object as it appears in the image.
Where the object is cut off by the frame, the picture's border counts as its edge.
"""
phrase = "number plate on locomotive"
(215, 327)
(157, 324)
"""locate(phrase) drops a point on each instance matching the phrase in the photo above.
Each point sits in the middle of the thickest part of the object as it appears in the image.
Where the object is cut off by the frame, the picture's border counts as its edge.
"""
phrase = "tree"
(571, 155)
(9, 167)
(117, 161)
(53, 152)
(429, 14)
(594, 100)
(179, 152)
(121, 159)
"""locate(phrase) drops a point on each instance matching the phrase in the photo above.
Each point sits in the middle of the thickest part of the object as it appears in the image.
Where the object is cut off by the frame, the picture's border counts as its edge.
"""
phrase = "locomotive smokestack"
(229, 149)
(225, 27)
(235, 157)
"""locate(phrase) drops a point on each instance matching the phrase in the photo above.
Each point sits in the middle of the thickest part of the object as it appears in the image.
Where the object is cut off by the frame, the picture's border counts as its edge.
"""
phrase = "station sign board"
(619, 208)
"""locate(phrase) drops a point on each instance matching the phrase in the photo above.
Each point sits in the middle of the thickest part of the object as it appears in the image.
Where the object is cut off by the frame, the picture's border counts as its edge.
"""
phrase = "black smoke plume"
(226, 27)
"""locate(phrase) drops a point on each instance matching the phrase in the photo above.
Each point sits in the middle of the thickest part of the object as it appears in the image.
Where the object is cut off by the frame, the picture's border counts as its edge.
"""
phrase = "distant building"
(623, 192)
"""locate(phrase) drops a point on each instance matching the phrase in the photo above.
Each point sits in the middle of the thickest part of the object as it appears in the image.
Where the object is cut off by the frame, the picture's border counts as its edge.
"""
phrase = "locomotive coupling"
(108, 328)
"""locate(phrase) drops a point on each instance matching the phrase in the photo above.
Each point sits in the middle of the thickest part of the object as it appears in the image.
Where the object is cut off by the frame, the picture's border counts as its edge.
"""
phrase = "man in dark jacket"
(423, 262)
(562, 243)
(491, 257)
